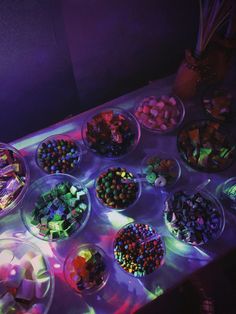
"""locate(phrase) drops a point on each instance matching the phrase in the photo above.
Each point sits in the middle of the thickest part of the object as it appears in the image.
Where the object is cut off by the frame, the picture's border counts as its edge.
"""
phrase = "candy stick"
(39, 265)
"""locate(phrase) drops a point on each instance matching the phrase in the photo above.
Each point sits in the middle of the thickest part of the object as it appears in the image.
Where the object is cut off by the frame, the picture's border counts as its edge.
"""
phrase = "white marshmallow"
(26, 291)
(39, 265)
(6, 302)
(15, 277)
(6, 257)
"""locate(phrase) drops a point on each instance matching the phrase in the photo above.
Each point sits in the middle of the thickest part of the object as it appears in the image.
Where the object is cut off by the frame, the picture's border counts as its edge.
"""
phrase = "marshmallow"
(42, 286)
(26, 291)
(15, 277)
(39, 265)
(6, 257)
(6, 302)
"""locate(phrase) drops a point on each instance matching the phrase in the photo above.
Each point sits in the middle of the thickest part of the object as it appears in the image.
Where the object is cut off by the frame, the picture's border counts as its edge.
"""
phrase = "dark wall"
(37, 86)
(117, 46)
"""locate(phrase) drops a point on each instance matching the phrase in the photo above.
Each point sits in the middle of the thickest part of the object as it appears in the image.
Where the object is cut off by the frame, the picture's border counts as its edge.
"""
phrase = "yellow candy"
(85, 254)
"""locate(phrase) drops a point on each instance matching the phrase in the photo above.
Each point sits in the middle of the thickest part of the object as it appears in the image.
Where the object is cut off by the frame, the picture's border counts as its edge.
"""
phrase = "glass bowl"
(160, 114)
(56, 206)
(138, 249)
(202, 215)
(206, 146)
(228, 194)
(160, 170)
(14, 178)
(86, 269)
(58, 154)
(26, 278)
(117, 188)
(111, 133)
(218, 104)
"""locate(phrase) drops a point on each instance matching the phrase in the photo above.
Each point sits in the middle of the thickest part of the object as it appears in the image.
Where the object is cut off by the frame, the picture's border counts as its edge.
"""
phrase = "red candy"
(160, 114)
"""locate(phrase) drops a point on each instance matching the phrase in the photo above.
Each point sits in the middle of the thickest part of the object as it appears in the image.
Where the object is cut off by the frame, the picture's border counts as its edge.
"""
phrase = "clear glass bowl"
(20, 255)
(147, 245)
(106, 146)
(228, 194)
(210, 159)
(59, 223)
(66, 157)
(200, 221)
(171, 174)
(156, 97)
(25, 177)
(138, 185)
(78, 265)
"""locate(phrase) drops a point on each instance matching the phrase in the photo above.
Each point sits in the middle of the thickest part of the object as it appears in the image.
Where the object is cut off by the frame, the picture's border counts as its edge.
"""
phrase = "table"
(123, 293)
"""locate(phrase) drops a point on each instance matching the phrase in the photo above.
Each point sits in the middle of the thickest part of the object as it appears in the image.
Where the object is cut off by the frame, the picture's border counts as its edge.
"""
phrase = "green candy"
(151, 177)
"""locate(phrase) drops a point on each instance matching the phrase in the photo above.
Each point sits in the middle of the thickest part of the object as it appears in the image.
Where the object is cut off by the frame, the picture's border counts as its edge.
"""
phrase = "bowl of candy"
(58, 154)
(160, 170)
(194, 217)
(56, 207)
(111, 133)
(160, 114)
(117, 188)
(218, 104)
(206, 146)
(26, 279)
(139, 249)
(227, 194)
(86, 269)
(14, 178)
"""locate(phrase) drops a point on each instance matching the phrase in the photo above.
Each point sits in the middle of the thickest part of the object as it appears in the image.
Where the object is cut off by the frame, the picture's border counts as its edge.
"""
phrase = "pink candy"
(158, 114)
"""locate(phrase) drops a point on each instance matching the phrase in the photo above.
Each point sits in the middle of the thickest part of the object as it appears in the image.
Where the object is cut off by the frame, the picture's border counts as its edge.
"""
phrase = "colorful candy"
(116, 188)
(86, 271)
(159, 114)
(21, 288)
(12, 177)
(138, 249)
(58, 155)
(205, 146)
(193, 219)
(160, 171)
(110, 134)
(218, 104)
(59, 212)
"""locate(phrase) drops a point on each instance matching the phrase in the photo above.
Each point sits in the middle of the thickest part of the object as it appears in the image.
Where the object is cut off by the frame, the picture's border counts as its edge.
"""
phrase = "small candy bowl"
(58, 154)
(117, 188)
(160, 114)
(218, 104)
(26, 279)
(56, 206)
(138, 249)
(160, 170)
(86, 269)
(111, 133)
(194, 217)
(227, 194)
(14, 178)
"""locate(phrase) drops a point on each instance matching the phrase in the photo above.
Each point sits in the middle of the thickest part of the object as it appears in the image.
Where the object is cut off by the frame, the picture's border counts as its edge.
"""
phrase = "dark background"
(61, 57)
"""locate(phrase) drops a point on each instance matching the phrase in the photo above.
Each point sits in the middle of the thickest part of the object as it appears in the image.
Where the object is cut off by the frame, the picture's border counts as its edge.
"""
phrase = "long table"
(123, 293)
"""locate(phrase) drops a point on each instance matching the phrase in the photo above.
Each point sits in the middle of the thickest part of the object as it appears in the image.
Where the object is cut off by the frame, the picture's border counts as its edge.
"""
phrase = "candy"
(159, 114)
(59, 212)
(6, 256)
(116, 188)
(218, 104)
(160, 171)
(86, 271)
(12, 176)
(205, 146)
(193, 219)
(110, 134)
(138, 249)
(58, 154)
(23, 283)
